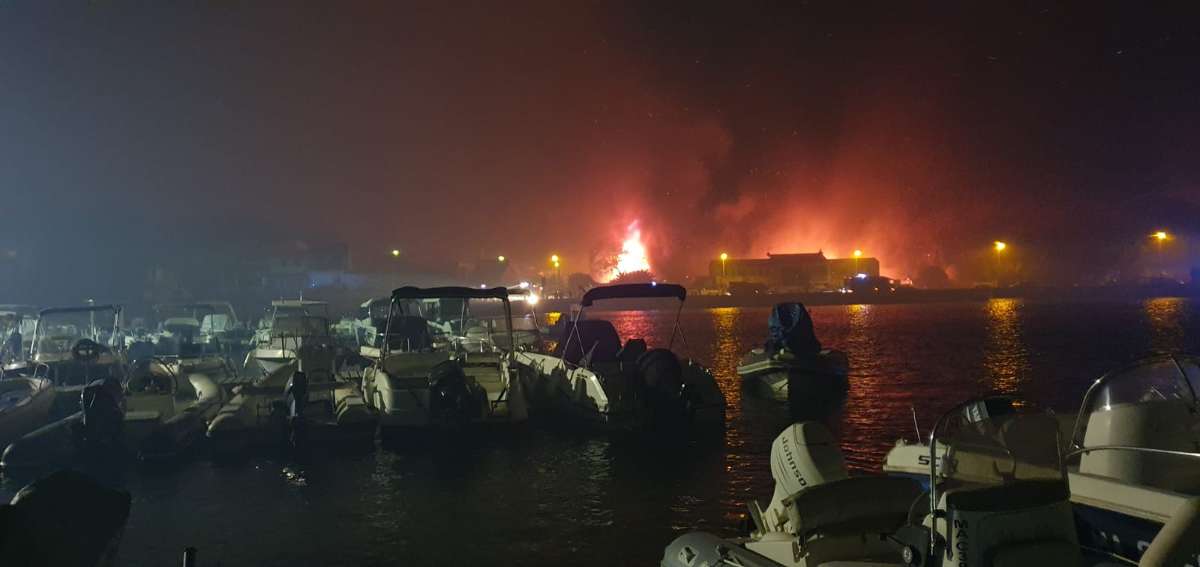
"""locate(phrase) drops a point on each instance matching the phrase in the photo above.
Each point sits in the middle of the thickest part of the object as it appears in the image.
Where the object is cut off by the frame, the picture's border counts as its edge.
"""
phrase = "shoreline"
(910, 296)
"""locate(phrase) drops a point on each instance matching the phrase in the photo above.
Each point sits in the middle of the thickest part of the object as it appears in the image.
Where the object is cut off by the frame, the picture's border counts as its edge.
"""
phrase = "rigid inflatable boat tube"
(1175, 543)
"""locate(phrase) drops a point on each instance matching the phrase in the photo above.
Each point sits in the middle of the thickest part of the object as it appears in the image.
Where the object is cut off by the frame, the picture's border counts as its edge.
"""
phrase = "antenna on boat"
(916, 424)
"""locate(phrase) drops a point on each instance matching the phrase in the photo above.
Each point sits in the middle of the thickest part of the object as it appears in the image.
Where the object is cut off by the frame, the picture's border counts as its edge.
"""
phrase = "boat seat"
(858, 505)
(1021, 523)
(633, 349)
(413, 363)
(596, 336)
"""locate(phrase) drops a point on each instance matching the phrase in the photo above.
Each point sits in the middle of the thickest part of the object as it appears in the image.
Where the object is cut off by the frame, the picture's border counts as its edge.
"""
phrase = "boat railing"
(1133, 449)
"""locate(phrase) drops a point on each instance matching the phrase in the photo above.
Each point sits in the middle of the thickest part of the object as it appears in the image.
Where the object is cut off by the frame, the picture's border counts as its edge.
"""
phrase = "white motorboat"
(448, 369)
(1136, 485)
(793, 360)
(71, 347)
(291, 324)
(182, 342)
(1135, 488)
(300, 399)
(1000, 498)
(593, 378)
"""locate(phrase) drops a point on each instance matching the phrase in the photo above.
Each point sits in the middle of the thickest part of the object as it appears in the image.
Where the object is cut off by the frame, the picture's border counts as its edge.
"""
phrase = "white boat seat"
(869, 504)
(413, 363)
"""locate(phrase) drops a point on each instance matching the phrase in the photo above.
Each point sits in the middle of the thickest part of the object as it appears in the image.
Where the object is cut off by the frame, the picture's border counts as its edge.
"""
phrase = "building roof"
(818, 256)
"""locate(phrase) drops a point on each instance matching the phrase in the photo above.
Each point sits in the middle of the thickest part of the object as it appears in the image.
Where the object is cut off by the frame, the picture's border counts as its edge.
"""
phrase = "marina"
(545, 283)
(593, 490)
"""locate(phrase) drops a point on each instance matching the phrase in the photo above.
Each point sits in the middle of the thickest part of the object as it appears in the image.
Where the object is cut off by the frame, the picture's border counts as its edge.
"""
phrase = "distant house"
(783, 273)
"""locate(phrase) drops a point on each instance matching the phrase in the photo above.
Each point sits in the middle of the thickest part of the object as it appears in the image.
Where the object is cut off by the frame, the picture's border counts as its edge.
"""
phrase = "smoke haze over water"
(138, 130)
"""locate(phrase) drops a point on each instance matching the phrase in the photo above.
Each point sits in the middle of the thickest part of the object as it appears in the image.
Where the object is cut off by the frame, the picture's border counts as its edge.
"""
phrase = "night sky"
(456, 130)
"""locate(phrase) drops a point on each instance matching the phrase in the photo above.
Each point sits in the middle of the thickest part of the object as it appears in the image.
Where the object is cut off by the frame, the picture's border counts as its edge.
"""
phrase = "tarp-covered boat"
(792, 366)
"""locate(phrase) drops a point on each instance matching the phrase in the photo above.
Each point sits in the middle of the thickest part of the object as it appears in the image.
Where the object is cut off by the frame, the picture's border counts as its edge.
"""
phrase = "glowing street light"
(1161, 235)
(395, 252)
(723, 257)
(499, 258)
(999, 246)
(858, 253)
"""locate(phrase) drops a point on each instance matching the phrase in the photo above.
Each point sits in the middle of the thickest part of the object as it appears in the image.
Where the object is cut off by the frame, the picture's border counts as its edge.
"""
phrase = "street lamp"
(1159, 238)
(999, 246)
(499, 258)
(557, 275)
(857, 254)
(395, 252)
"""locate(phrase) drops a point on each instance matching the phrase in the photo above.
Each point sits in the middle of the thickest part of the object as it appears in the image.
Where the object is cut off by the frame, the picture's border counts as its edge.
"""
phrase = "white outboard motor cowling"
(804, 455)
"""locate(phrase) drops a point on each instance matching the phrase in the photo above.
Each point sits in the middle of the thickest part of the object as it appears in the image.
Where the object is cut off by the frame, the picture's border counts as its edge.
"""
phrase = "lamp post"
(557, 275)
(1160, 237)
(724, 276)
(857, 254)
(999, 246)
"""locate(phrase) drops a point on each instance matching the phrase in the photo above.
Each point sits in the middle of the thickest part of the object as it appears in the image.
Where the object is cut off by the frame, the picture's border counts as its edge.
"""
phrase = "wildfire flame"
(632, 257)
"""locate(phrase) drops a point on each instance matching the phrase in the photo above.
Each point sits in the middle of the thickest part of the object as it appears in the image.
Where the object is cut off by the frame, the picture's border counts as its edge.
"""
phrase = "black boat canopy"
(80, 309)
(633, 290)
(409, 292)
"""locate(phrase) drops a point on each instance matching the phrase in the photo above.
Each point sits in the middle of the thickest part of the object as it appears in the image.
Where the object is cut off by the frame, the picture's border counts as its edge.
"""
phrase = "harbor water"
(544, 494)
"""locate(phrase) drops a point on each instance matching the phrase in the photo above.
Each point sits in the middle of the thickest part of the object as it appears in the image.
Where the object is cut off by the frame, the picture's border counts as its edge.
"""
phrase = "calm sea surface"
(541, 495)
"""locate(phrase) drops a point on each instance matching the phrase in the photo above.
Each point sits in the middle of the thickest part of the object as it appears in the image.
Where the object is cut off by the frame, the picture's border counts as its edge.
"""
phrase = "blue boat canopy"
(791, 327)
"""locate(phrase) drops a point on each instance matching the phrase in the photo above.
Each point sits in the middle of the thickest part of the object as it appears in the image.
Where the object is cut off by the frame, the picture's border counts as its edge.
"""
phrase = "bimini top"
(297, 302)
(633, 290)
(409, 292)
(80, 309)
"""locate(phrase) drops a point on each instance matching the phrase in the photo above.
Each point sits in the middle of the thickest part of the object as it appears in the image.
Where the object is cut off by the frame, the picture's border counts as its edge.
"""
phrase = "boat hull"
(25, 405)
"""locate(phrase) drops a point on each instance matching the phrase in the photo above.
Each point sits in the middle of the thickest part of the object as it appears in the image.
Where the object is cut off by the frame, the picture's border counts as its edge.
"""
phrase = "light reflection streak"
(1165, 317)
(1006, 358)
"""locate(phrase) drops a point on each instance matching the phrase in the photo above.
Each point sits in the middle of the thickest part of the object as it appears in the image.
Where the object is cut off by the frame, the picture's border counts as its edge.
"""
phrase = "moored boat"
(792, 367)
(1002, 501)
(438, 363)
(302, 399)
(592, 378)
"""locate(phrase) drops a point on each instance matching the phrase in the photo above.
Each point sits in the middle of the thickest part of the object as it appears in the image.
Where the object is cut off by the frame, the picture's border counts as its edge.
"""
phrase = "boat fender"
(1175, 543)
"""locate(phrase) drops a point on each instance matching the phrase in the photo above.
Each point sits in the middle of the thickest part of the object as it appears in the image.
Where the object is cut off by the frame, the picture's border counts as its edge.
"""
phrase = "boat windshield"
(59, 331)
(299, 326)
(471, 324)
(300, 309)
(1171, 379)
(999, 440)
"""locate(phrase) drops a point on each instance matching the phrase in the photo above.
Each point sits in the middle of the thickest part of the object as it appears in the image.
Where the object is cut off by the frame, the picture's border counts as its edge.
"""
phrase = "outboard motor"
(659, 384)
(103, 405)
(803, 456)
(450, 399)
(296, 393)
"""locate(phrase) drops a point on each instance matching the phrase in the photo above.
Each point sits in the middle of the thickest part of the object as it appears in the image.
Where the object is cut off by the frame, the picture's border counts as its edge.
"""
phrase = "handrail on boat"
(1132, 448)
